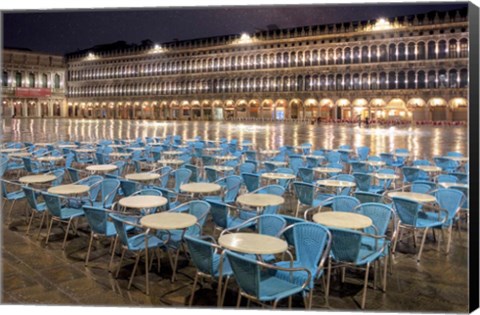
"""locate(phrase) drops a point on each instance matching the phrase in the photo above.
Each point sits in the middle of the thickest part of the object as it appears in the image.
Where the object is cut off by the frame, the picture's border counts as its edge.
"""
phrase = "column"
(449, 113)
(24, 109)
(50, 108)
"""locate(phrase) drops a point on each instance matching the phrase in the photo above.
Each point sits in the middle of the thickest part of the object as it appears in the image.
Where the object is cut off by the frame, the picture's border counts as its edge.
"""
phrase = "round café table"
(200, 188)
(165, 221)
(260, 201)
(142, 177)
(212, 149)
(67, 146)
(37, 179)
(101, 168)
(85, 150)
(50, 158)
(277, 176)
(19, 154)
(418, 197)
(343, 220)
(12, 150)
(172, 153)
(325, 171)
(69, 189)
(119, 155)
(375, 163)
(142, 202)
(225, 157)
(270, 152)
(461, 159)
(136, 148)
(221, 168)
(253, 243)
(173, 162)
(336, 184)
(450, 185)
(43, 144)
(428, 168)
(276, 163)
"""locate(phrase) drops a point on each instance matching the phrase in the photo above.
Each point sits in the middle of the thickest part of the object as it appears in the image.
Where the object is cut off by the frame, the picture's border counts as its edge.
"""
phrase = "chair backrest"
(295, 163)
(31, 196)
(407, 210)
(452, 153)
(311, 241)
(444, 178)
(252, 181)
(451, 200)
(208, 160)
(199, 209)
(28, 165)
(109, 190)
(195, 172)
(305, 174)
(97, 218)
(365, 196)
(446, 164)
(410, 174)
(269, 167)
(359, 167)
(270, 224)
(128, 187)
(344, 203)
(379, 213)
(288, 233)
(346, 244)
(121, 223)
(202, 254)
(246, 271)
(304, 192)
(53, 203)
(247, 167)
(420, 162)
(219, 212)
(333, 157)
(211, 174)
(271, 189)
(59, 174)
(94, 182)
(420, 188)
(363, 181)
(233, 184)
(74, 174)
(69, 160)
(100, 157)
(362, 153)
(120, 167)
(251, 155)
(148, 192)
(182, 176)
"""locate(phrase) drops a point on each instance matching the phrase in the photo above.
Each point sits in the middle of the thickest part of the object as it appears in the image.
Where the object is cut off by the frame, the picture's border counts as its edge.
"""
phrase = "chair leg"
(239, 299)
(113, 252)
(9, 216)
(298, 207)
(399, 236)
(386, 258)
(44, 215)
(365, 285)
(30, 222)
(66, 234)
(449, 237)
(421, 246)
(120, 264)
(225, 286)
(414, 238)
(89, 248)
(49, 230)
(329, 273)
(137, 259)
(193, 289)
(174, 272)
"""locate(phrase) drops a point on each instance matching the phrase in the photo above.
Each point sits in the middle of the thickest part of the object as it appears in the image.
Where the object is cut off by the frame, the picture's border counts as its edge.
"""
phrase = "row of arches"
(403, 51)
(31, 79)
(430, 79)
(277, 109)
(31, 108)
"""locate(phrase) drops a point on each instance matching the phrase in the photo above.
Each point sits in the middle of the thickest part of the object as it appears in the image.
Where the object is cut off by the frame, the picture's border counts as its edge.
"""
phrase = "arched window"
(411, 80)
(286, 84)
(44, 81)
(392, 80)
(452, 79)
(308, 83)
(373, 54)
(383, 53)
(373, 81)
(291, 62)
(463, 48)
(421, 51)
(365, 54)
(5, 78)
(463, 78)
(279, 60)
(31, 80)
(347, 82)
(338, 82)
(331, 57)
(392, 52)
(348, 56)
(331, 82)
(421, 80)
(432, 76)
(432, 50)
(323, 57)
(452, 49)
(56, 81)
(307, 58)
(356, 55)
(315, 57)
(383, 81)
(323, 82)
(365, 81)
(356, 81)
(338, 56)
(442, 49)
(401, 80)
(401, 52)
(442, 79)
(411, 51)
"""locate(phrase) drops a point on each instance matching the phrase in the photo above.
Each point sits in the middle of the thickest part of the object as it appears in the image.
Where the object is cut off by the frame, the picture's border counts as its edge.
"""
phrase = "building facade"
(33, 84)
(408, 68)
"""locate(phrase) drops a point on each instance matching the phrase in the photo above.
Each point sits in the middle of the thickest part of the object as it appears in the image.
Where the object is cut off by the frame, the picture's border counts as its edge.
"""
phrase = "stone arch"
(311, 108)
(458, 109)
(396, 109)
(295, 107)
(361, 108)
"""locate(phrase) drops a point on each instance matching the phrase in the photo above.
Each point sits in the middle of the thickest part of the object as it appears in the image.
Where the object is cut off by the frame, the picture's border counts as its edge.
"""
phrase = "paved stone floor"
(35, 274)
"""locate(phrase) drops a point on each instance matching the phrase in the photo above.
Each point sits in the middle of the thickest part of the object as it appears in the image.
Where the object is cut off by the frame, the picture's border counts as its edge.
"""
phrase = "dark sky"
(66, 31)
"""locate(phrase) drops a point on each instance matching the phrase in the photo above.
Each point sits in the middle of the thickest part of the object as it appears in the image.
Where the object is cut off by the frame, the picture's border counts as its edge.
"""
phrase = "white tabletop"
(457, 158)
(37, 179)
(85, 150)
(174, 152)
(116, 145)
(225, 157)
(67, 146)
(418, 197)
(428, 168)
(327, 170)
(137, 149)
(335, 183)
(385, 176)
(142, 176)
(402, 154)
(11, 150)
(43, 144)
(450, 185)
(101, 168)
(141, 202)
(276, 163)
(270, 152)
(69, 189)
(252, 243)
(221, 168)
(119, 154)
(318, 157)
(260, 200)
(200, 188)
(19, 154)
(168, 221)
(212, 149)
(278, 176)
(171, 161)
(340, 219)
(374, 163)
(50, 158)
(344, 150)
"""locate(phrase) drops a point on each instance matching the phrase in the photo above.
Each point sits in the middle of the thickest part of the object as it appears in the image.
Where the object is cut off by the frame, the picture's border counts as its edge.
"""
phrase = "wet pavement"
(33, 273)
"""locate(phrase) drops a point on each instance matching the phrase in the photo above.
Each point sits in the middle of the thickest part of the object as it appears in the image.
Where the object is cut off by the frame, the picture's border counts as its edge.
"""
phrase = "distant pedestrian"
(359, 121)
(366, 121)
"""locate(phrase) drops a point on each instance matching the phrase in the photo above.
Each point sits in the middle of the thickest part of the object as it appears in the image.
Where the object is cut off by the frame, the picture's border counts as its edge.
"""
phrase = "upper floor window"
(18, 79)
(56, 81)
(31, 80)
(5, 78)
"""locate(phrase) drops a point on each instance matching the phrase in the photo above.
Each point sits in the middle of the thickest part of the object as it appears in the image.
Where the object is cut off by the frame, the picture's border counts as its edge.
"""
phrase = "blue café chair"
(36, 207)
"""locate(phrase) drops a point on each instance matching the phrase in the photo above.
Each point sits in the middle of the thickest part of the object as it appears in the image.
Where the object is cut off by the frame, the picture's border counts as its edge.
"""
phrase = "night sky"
(60, 32)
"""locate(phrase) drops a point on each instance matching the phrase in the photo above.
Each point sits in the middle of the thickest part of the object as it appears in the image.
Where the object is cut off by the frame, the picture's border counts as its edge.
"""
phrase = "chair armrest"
(290, 269)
